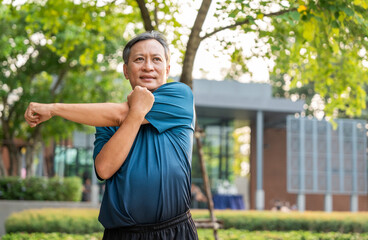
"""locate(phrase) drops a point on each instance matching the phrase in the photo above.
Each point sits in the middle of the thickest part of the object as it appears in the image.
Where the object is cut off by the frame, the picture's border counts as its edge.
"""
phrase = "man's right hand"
(140, 101)
(37, 113)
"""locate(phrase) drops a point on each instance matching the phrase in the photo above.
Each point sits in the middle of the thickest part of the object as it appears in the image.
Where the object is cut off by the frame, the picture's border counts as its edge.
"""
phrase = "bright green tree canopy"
(318, 44)
(59, 50)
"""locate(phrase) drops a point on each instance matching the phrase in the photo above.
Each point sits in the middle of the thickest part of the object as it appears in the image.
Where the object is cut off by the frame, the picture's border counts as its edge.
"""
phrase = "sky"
(212, 64)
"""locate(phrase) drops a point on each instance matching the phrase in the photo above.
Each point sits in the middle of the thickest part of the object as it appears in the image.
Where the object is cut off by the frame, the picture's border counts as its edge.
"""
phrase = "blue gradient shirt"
(153, 184)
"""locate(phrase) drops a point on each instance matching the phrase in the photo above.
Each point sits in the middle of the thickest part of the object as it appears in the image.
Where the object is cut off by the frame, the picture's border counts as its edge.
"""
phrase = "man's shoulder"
(174, 87)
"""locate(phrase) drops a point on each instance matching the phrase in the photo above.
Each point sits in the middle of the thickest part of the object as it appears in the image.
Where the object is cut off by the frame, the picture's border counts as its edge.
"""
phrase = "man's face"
(147, 66)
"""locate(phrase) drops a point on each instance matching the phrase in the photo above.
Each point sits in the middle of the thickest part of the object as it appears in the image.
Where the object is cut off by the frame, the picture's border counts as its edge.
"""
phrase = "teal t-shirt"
(153, 184)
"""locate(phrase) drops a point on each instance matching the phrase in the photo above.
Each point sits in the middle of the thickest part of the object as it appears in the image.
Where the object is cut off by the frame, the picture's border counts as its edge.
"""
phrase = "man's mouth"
(147, 78)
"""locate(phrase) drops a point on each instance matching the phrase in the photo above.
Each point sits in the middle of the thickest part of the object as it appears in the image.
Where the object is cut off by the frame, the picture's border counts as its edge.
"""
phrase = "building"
(299, 162)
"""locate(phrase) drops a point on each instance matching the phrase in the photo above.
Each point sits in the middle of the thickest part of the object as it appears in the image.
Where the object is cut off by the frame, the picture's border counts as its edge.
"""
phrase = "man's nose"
(148, 65)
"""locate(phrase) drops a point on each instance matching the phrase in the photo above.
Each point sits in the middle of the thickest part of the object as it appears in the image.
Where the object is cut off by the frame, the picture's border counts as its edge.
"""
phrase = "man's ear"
(125, 68)
(167, 71)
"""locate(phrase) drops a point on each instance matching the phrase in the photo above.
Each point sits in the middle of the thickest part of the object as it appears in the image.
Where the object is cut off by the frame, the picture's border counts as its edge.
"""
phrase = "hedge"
(345, 222)
(235, 234)
(38, 188)
(204, 234)
(48, 220)
(85, 221)
(51, 236)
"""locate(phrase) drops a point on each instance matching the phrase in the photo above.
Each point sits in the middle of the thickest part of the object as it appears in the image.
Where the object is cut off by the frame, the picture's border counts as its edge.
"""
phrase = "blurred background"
(280, 94)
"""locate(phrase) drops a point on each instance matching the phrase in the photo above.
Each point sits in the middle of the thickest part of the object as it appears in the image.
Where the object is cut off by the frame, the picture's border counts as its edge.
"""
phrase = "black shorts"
(178, 228)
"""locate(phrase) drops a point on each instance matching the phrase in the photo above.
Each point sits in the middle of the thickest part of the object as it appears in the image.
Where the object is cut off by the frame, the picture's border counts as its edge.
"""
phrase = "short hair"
(146, 36)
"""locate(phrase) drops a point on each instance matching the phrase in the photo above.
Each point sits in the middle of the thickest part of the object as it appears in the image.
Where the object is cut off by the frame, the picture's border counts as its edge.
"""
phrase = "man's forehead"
(148, 45)
(152, 53)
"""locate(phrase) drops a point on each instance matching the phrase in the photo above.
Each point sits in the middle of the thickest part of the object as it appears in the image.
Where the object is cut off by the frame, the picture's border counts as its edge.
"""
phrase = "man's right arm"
(114, 152)
(93, 114)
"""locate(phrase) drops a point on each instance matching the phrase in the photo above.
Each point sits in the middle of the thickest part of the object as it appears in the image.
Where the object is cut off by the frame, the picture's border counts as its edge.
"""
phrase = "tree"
(46, 47)
(318, 44)
(327, 50)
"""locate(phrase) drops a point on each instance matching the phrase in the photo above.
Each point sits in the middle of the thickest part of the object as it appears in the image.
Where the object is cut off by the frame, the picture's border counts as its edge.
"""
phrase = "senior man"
(143, 147)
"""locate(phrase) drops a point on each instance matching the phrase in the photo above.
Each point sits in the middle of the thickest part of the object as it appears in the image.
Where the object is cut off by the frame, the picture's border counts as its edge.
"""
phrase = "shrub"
(37, 188)
(235, 234)
(344, 222)
(203, 234)
(51, 236)
(49, 220)
(85, 221)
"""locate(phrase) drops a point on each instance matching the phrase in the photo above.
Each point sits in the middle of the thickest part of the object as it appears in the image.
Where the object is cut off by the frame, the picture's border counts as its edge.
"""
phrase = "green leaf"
(275, 48)
(362, 3)
(295, 15)
(348, 11)
(309, 31)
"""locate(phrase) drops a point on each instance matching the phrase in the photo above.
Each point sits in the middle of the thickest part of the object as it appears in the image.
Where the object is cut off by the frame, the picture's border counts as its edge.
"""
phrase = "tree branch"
(246, 21)
(58, 81)
(145, 15)
(12, 109)
(193, 43)
(155, 15)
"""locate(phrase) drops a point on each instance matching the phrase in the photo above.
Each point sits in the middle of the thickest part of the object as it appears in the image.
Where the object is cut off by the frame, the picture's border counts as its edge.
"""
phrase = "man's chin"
(151, 87)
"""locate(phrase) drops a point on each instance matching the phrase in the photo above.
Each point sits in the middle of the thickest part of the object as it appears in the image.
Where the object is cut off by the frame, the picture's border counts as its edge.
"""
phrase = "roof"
(235, 100)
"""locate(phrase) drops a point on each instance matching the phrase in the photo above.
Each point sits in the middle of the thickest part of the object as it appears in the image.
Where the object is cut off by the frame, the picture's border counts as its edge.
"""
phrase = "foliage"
(48, 47)
(204, 234)
(81, 221)
(51, 236)
(324, 49)
(235, 234)
(57, 50)
(36, 188)
(293, 221)
(320, 46)
(85, 221)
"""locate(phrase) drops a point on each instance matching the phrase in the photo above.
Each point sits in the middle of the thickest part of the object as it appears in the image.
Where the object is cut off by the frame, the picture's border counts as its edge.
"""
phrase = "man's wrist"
(53, 109)
(136, 115)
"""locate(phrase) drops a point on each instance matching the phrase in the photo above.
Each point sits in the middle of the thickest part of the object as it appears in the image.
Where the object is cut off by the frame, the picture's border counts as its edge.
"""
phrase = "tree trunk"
(49, 169)
(3, 172)
(206, 182)
(145, 15)
(193, 44)
(187, 78)
(30, 149)
(8, 142)
(14, 158)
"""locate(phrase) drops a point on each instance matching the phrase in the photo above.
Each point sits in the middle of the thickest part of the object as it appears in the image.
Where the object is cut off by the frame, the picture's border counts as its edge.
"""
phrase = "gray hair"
(146, 36)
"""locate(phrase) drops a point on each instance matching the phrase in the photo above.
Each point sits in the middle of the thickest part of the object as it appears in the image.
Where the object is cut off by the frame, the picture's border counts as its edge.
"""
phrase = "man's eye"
(139, 59)
(157, 59)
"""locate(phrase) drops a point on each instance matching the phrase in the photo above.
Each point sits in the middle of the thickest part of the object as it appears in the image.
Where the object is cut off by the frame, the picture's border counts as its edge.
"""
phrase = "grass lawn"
(206, 234)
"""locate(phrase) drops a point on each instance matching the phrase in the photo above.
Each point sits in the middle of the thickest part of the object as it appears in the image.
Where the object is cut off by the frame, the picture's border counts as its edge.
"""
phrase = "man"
(145, 152)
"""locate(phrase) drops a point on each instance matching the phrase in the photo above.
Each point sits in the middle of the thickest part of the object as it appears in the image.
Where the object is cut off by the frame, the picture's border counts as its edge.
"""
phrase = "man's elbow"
(103, 172)
(122, 113)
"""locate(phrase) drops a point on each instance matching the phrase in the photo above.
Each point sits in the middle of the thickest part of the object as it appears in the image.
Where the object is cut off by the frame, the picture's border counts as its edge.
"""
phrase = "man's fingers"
(32, 118)
(32, 123)
(33, 115)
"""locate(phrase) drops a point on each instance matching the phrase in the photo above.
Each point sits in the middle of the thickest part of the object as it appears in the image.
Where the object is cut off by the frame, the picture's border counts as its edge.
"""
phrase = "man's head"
(146, 60)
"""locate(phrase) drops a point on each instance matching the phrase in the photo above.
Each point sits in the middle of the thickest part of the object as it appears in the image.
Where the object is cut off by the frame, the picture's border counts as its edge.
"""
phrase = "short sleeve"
(173, 107)
(102, 136)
